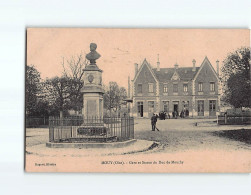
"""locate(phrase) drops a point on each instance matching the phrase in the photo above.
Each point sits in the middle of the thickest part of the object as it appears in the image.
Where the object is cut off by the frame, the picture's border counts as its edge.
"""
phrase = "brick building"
(194, 90)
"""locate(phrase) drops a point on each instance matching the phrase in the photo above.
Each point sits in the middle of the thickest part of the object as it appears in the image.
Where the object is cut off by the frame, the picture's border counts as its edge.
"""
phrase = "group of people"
(175, 114)
(164, 115)
(184, 113)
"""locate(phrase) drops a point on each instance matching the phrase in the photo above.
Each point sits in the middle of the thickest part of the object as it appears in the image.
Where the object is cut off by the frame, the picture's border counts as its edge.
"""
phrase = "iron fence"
(79, 129)
(32, 122)
(233, 120)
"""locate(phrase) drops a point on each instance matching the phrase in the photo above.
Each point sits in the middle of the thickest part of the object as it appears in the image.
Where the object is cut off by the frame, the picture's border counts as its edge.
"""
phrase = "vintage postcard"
(137, 100)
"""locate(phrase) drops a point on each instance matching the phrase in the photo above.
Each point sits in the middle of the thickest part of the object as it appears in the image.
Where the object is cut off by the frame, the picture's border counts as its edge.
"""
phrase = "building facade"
(194, 90)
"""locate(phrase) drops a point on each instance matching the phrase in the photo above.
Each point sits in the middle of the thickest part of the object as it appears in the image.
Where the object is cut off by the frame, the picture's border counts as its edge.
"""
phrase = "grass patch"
(243, 135)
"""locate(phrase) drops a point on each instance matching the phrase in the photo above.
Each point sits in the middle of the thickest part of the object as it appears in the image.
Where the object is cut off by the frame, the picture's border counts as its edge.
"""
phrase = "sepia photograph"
(137, 100)
(123, 97)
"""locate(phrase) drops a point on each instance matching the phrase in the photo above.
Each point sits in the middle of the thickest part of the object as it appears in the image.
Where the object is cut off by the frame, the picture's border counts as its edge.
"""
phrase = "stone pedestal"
(92, 93)
(93, 127)
(92, 96)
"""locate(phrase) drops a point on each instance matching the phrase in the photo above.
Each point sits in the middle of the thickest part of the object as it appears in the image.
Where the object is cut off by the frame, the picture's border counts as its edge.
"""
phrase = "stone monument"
(93, 90)
(93, 127)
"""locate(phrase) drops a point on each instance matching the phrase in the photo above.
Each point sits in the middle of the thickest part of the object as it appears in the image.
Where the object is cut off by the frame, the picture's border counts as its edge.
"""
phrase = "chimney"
(176, 66)
(136, 68)
(194, 62)
(217, 66)
(158, 63)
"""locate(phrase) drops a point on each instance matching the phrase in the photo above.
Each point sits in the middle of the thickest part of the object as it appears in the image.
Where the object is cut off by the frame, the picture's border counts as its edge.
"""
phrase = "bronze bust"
(93, 55)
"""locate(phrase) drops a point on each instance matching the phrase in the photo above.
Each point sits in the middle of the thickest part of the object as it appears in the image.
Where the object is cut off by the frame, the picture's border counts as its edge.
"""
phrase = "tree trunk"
(61, 117)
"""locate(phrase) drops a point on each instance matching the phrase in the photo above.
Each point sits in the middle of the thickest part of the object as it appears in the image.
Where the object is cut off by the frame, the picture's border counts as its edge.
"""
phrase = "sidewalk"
(42, 150)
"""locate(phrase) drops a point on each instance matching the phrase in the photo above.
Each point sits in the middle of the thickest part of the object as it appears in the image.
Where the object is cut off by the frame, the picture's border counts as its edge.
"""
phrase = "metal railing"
(78, 129)
(33, 122)
(233, 120)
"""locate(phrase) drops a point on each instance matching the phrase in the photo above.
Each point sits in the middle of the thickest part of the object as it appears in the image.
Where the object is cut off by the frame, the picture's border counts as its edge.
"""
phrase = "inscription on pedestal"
(92, 131)
(91, 108)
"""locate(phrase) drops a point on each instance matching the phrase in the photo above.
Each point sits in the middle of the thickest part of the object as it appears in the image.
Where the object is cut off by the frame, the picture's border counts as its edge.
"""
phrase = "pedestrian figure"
(153, 122)
(176, 114)
(187, 112)
(153, 118)
(182, 114)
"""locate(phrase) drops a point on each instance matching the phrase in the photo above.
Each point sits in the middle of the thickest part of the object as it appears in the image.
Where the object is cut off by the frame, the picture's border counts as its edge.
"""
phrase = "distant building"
(195, 90)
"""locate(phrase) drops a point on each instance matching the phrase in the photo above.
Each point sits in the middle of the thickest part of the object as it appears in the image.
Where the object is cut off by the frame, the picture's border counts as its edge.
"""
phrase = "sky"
(121, 48)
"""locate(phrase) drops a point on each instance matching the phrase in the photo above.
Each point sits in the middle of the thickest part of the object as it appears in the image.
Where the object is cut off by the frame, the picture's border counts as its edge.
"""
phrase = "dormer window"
(175, 76)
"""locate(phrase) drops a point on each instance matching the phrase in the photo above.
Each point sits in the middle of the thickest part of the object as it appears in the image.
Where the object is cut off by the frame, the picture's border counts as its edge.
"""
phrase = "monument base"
(90, 130)
(91, 145)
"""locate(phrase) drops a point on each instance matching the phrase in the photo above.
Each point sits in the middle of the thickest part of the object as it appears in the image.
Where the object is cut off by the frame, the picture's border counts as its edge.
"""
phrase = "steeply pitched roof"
(185, 73)
(145, 63)
(210, 65)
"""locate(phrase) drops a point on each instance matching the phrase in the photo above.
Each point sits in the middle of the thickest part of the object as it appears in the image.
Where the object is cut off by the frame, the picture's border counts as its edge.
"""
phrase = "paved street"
(182, 134)
(175, 135)
(197, 148)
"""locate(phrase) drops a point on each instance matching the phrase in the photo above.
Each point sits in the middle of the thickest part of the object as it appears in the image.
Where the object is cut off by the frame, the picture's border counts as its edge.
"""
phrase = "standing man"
(153, 122)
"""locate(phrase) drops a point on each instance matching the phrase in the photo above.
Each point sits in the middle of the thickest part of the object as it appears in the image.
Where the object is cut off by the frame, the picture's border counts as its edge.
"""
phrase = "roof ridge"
(179, 67)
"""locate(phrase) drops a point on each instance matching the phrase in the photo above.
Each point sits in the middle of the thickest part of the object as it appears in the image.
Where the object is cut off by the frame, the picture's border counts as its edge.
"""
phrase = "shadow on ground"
(243, 135)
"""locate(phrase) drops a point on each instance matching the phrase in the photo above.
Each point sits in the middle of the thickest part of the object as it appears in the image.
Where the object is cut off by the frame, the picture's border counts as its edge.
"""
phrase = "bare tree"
(73, 69)
(74, 66)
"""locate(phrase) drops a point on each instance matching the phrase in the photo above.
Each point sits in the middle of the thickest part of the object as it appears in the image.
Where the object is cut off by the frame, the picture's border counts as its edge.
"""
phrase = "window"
(165, 88)
(212, 105)
(150, 87)
(166, 106)
(139, 88)
(212, 86)
(175, 88)
(186, 108)
(200, 86)
(186, 105)
(151, 106)
(200, 108)
(140, 109)
(185, 87)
